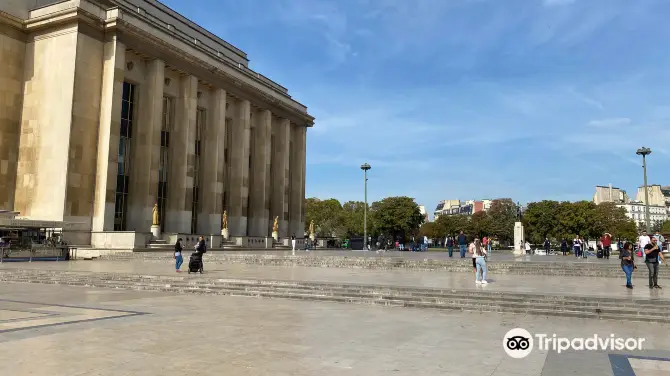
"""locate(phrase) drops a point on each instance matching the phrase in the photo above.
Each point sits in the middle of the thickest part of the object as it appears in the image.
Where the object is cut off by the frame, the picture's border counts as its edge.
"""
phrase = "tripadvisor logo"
(519, 343)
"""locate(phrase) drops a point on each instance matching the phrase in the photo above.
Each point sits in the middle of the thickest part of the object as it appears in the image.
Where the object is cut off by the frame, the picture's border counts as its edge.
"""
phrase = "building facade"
(658, 195)
(635, 210)
(113, 107)
(454, 207)
(610, 194)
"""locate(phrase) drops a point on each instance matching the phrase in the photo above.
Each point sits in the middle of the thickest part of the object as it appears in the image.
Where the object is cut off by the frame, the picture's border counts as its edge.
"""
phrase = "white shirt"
(644, 240)
(474, 253)
(528, 246)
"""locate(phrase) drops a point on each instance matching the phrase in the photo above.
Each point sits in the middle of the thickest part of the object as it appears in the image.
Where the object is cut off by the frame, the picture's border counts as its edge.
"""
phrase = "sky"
(465, 99)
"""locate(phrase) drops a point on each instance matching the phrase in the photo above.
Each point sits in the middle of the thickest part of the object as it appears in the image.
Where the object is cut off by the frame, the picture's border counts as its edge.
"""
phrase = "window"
(200, 120)
(164, 161)
(123, 157)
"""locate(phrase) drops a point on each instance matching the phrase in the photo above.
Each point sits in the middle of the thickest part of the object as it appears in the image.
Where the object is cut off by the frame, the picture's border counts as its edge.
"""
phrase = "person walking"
(179, 259)
(643, 240)
(564, 247)
(547, 246)
(462, 243)
(471, 250)
(527, 247)
(489, 245)
(660, 240)
(201, 248)
(577, 246)
(627, 263)
(450, 246)
(652, 255)
(606, 242)
(479, 261)
(293, 243)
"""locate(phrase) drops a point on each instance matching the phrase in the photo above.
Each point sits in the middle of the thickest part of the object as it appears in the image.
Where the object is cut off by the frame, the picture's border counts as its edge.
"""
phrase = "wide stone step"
(619, 309)
(480, 306)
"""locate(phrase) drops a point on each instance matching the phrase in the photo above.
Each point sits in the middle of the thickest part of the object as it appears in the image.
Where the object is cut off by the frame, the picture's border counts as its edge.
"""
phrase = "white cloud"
(609, 123)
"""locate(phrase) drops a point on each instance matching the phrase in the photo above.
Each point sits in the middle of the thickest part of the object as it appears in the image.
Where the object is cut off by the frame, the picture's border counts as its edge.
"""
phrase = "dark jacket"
(202, 248)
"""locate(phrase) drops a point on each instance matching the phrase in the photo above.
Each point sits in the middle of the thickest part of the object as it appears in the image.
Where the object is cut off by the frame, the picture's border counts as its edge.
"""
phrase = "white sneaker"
(478, 282)
(484, 282)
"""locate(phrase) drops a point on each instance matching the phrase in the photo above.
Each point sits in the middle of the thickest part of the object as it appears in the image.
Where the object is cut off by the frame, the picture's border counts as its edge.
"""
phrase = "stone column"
(213, 173)
(182, 158)
(108, 134)
(297, 169)
(280, 175)
(146, 148)
(239, 169)
(260, 166)
(302, 144)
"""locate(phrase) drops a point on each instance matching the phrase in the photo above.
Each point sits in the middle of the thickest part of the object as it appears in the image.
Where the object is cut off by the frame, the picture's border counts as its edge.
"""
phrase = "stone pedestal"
(225, 234)
(275, 235)
(519, 238)
(156, 232)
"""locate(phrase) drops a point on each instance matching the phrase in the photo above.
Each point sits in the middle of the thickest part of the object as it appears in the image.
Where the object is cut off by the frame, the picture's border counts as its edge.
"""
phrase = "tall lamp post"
(643, 151)
(365, 167)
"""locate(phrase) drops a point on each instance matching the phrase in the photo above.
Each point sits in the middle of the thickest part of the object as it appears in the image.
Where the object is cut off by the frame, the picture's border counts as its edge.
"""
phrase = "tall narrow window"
(201, 118)
(164, 161)
(123, 157)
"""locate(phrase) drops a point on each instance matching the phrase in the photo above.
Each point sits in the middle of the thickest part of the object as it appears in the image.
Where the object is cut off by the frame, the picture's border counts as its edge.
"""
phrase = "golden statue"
(154, 215)
(225, 220)
(275, 226)
(311, 227)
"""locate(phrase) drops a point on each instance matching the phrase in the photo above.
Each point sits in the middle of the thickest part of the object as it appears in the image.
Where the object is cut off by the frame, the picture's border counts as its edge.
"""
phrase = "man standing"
(293, 244)
(425, 243)
(450, 245)
(462, 243)
(606, 241)
(652, 254)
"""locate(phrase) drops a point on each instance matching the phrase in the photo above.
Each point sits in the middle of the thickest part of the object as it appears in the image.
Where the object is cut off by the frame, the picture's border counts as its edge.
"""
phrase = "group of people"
(462, 242)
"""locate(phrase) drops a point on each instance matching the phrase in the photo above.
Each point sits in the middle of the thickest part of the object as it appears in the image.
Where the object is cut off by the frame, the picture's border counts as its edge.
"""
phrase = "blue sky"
(465, 99)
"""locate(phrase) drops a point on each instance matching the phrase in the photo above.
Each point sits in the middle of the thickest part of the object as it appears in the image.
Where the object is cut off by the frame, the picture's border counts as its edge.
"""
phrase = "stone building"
(108, 107)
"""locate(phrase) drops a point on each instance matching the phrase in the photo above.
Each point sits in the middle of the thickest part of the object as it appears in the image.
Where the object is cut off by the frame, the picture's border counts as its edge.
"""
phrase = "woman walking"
(177, 255)
(479, 261)
(577, 246)
(627, 263)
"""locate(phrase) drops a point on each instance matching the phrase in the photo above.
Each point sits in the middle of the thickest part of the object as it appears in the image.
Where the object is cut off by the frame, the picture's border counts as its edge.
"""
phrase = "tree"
(327, 217)
(352, 218)
(665, 228)
(502, 216)
(451, 225)
(613, 219)
(540, 220)
(431, 230)
(479, 225)
(396, 216)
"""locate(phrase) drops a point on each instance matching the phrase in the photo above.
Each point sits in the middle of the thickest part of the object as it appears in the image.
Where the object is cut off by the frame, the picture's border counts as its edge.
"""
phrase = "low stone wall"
(393, 263)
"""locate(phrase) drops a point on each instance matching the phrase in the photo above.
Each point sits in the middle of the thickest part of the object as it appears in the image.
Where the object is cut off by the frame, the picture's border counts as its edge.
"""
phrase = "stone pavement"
(534, 284)
(212, 335)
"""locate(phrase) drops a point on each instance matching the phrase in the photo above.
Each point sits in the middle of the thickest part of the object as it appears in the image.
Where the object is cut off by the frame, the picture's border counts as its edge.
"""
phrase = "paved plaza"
(118, 332)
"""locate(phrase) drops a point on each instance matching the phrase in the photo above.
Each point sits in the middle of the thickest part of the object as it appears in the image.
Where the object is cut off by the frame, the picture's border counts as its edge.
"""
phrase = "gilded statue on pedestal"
(275, 226)
(154, 215)
(311, 227)
(224, 221)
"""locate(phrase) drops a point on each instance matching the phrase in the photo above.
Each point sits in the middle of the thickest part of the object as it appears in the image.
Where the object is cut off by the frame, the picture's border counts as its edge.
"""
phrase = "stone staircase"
(480, 300)
(595, 269)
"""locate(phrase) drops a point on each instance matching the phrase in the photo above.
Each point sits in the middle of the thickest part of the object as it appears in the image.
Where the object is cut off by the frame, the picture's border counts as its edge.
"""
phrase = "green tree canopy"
(327, 216)
(396, 216)
(502, 216)
(352, 218)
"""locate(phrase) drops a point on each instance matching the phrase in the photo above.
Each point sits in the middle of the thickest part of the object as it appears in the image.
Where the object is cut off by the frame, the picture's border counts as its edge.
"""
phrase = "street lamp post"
(643, 151)
(365, 167)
